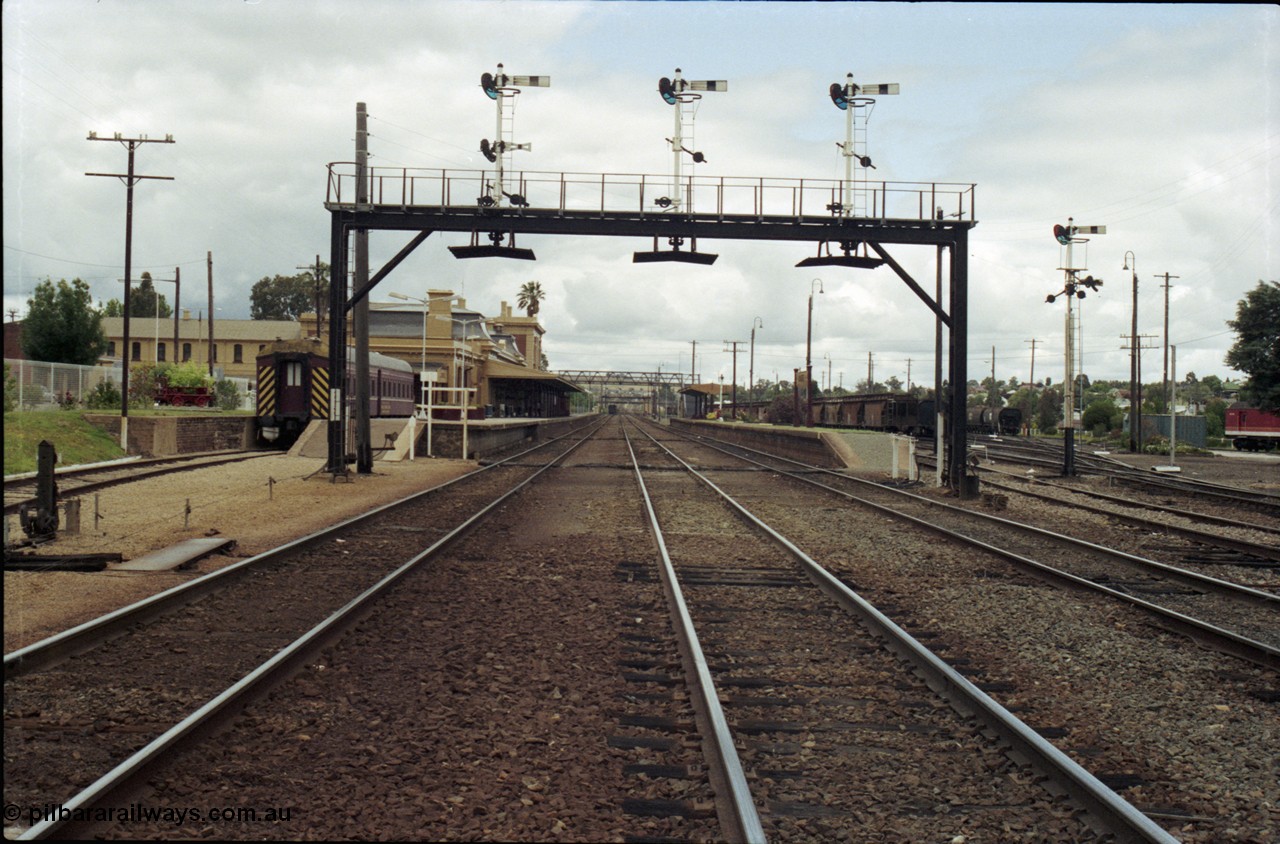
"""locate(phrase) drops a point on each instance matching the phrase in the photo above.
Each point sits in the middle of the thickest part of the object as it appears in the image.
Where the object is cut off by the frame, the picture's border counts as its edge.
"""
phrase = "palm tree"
(530, 297)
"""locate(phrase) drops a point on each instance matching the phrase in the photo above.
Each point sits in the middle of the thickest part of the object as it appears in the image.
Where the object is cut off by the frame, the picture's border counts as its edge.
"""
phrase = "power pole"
(1165, 379)
(908, 376)
(129, 178)
(693, 364)
(870, 372)
(993, 369)
(734, 343)
(212, 348)
(1033, 342)
(177, 300)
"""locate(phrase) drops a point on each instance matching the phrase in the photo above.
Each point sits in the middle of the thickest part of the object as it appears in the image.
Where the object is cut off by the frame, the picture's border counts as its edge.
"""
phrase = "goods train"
(293, 388)
(1251, 429)
(897, 413)
(995, 420)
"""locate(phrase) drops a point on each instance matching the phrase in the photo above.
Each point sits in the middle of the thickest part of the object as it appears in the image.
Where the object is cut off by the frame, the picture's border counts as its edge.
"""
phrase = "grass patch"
(75, 439)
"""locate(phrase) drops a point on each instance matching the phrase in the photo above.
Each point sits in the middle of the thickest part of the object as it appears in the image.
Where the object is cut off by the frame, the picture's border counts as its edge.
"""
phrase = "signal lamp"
(838, 96)
(487, 151)
(667, 90)
(489, 84)
(1063, 234)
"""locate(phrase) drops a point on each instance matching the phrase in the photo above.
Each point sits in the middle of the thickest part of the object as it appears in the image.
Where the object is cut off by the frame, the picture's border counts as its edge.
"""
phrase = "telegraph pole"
(130, 179)
(212, 349)
(693, 363)
(734, 344)
(1165, 379)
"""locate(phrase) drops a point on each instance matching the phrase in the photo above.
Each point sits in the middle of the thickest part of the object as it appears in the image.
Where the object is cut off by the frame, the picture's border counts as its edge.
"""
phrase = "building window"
(186, 352)
(136, 352)
(160, 352)
(111, 348)
(238, 356)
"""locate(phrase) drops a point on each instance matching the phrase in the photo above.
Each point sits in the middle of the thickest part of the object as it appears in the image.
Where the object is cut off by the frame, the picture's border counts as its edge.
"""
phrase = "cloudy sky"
(1161, 122)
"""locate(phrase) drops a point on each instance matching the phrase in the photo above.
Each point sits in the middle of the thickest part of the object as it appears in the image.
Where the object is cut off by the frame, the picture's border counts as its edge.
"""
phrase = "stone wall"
(160, 436)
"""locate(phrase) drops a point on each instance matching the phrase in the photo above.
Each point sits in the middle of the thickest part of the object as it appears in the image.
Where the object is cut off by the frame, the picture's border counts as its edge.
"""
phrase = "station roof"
(500, 369)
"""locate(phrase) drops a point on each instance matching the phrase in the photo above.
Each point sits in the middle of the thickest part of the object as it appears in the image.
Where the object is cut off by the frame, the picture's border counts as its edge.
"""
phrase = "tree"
(113, 308)
(62, 326)
(1257, 348)
(143, 299)
(285, 296)
(1101, 416)
(530, 297)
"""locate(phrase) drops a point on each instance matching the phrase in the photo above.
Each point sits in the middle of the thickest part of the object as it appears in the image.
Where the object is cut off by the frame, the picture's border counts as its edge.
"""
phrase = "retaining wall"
(160, 436)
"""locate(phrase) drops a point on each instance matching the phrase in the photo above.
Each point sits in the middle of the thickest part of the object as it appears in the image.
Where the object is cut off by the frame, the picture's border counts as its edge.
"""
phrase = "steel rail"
(1129, 502)
(275, 670)
(85, 636)
(149, 469)
(1268, 552)
(743, 821)
(1223, 640)
(1119, 816)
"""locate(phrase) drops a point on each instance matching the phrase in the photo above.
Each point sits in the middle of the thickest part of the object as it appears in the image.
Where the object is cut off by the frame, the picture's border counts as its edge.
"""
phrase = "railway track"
(1097, 679)
(73, 702)
(19, 490)
(530, 665)
(1047, 457)
(1236, 619)
(826, 715)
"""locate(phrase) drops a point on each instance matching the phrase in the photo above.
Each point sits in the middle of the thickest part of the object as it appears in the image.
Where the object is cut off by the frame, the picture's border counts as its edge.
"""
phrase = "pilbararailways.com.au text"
(137, 813)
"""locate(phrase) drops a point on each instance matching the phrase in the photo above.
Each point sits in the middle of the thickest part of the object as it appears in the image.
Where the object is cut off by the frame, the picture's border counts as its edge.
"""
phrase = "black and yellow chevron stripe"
(320, 392)
(266, 391)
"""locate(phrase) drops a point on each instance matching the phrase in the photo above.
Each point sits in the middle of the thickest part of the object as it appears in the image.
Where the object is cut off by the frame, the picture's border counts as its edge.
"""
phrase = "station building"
(500, 357)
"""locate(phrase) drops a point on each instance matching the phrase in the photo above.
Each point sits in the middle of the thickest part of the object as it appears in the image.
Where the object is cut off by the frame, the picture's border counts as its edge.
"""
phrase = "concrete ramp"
(176, 556)
(389, 438)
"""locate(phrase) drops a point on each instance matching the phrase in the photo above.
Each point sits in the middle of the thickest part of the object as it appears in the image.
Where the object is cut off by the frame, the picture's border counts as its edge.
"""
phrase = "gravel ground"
(234, 500)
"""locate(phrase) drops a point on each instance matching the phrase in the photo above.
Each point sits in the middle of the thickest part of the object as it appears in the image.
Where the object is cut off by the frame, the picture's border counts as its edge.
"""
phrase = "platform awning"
(496, 369)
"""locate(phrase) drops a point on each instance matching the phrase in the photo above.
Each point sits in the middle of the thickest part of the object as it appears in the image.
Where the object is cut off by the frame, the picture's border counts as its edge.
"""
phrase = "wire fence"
(42, 385)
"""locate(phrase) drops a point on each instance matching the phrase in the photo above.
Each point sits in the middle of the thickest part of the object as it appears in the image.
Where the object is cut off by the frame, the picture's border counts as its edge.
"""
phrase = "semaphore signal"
(503, 89)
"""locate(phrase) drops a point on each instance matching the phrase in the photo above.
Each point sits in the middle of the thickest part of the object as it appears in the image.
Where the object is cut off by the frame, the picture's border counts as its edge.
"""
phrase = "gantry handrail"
(633, 193)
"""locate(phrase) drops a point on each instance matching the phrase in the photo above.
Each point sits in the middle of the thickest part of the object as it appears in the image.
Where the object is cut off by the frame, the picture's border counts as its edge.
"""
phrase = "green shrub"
(187, 375)
(226, 394)
(143, 381)
(105, 396)
(10, 391)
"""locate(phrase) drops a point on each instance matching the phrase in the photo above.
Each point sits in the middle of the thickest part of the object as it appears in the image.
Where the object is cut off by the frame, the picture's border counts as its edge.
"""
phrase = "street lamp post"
(808, 358)
(1135, 375)
(751, 368)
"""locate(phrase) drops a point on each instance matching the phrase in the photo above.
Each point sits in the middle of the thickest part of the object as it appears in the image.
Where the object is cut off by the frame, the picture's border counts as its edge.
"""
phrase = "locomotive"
(1251, 429)
(294, 388)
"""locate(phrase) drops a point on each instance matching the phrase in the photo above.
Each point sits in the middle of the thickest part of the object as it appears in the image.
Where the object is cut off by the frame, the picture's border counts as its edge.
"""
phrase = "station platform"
(391, 436)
